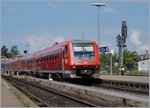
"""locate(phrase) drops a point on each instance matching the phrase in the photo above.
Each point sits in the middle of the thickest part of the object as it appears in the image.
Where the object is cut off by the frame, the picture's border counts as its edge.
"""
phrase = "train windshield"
(83, 51)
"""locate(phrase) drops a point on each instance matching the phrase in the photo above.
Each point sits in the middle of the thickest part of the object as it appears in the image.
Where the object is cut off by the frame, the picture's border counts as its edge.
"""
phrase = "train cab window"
(83, 51)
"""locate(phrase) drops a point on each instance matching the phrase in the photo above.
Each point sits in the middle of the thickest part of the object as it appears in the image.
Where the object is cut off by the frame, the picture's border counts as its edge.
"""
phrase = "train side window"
(46, 58)
(58, 55)
(50, 57)
(53, 57)
(41, 59)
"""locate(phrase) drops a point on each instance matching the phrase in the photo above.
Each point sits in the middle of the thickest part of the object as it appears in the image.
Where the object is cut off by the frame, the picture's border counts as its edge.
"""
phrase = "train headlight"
(74, 67)
(96, 66)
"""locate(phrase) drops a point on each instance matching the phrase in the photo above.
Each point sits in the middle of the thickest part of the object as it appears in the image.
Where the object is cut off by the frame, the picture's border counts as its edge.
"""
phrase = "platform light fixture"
(98, 5)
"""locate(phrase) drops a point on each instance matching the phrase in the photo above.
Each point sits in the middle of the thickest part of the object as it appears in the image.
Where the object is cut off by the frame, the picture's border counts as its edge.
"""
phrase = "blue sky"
(40, 24)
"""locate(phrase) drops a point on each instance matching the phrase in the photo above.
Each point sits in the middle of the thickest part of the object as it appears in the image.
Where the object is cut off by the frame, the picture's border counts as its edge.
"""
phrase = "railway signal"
(121, 43)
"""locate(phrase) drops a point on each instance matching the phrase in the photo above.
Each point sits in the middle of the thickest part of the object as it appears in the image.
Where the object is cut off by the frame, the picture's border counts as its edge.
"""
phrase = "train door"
(33, 64)
(64, 57)
(40, 60)
(63, 54)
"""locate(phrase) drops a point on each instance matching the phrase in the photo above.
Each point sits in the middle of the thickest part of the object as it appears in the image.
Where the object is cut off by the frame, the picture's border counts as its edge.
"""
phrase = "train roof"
(81, 41)
(12, 60)
(44, 51)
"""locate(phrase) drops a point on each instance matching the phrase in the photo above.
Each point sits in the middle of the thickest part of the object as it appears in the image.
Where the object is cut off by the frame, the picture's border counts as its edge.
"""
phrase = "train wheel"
(57, 77)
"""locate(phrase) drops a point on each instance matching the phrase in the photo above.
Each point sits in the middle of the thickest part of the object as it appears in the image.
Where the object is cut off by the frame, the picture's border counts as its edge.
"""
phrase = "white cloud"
(59, 39)
(13, 9)
(41, 41)
(143, 47)
(135, 39)
(109, 9)
(54, 6)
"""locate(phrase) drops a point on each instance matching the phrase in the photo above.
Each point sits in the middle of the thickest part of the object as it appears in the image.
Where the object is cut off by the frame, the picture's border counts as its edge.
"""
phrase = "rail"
(20, 83)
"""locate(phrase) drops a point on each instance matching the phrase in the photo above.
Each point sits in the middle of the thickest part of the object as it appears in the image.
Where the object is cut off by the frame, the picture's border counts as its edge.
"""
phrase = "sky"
(40, 24)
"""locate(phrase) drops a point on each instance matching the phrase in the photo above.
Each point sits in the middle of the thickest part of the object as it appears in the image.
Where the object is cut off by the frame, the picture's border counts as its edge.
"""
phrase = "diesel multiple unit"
(69, 59)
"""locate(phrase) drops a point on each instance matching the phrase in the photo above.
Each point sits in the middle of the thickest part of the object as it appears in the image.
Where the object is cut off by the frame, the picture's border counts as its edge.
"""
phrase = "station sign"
(104, 49)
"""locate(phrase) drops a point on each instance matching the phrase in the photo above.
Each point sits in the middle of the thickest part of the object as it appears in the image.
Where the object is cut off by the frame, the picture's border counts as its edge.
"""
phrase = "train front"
(86, 60)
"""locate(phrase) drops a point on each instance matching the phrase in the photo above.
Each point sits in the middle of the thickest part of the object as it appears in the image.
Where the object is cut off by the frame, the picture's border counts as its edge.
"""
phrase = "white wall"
(143, 65)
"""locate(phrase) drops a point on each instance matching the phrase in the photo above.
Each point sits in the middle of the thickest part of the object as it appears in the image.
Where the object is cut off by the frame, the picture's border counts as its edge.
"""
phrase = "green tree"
(4, 52)
(104, 62)
(130, 59)
(14, 51)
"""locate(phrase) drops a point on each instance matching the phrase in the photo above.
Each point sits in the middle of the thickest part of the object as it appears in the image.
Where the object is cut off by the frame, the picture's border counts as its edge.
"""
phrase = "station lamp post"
(25, 52)
(98, 5)
(28, 46)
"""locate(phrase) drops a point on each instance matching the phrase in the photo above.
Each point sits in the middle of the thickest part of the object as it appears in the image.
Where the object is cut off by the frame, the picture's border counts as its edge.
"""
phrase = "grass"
(20, 97)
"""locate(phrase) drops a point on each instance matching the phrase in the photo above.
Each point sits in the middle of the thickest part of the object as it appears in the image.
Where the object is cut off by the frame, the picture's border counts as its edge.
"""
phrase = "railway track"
(126, 86)
(46, 97)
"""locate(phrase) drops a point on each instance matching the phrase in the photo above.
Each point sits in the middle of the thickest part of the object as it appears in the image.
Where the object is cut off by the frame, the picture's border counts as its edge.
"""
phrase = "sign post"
(104, 49)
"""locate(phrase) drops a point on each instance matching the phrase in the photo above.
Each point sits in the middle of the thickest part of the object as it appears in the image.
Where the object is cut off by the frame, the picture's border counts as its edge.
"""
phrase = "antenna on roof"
(55, 43)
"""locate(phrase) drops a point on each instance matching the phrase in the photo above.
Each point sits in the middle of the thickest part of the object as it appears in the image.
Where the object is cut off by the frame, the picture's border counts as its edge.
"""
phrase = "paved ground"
(11, 97)
(126, 78)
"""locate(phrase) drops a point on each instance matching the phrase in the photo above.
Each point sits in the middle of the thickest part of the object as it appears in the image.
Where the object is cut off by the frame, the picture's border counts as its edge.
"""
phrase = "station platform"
(11, 97)
(137, 79)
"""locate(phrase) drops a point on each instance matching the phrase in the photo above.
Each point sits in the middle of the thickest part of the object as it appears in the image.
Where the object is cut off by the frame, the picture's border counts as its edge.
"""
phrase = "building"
(144, 63)
(3, 62)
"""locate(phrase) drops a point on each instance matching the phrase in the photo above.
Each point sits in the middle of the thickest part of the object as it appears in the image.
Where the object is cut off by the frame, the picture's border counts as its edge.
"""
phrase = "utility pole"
(121, 43)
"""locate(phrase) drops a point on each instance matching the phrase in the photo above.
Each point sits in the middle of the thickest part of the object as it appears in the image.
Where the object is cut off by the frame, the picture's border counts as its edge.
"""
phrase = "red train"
(69, 59)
